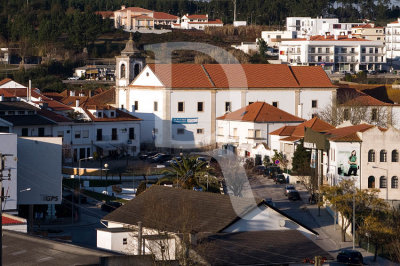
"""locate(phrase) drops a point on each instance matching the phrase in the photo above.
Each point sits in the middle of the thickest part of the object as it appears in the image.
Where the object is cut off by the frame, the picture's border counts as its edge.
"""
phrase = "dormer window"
(99, 114)
(21, 112)
(112, 114)
(11, 112)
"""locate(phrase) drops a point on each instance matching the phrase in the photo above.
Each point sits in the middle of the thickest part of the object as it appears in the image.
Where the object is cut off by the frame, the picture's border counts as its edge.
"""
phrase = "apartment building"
(369, 32)
(393, 40)
(335, 53)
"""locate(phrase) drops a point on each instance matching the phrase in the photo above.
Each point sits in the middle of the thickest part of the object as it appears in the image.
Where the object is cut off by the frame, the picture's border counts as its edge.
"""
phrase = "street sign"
(277, 162)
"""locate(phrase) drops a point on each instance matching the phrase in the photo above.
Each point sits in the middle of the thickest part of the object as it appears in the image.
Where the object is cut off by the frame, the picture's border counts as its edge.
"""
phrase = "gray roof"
(115, 230)
(130, 47)
(181, 210)
(259, 248)
(23, 249)
(16, 105)
(27, 120)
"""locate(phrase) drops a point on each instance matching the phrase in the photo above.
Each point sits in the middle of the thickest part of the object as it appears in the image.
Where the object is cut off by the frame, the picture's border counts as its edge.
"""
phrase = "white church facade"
(179, 103)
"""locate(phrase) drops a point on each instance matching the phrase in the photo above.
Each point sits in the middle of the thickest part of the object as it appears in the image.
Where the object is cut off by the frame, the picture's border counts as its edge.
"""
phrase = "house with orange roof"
(286, 138)
(137, 19)
(369, 32)
(198, 22)
(245, 128)
(335, 53)
(180, 103)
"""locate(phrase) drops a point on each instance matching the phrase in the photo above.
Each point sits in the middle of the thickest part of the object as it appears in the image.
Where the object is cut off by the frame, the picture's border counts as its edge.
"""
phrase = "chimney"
(123, 7)
(72, 93)
(77, 103)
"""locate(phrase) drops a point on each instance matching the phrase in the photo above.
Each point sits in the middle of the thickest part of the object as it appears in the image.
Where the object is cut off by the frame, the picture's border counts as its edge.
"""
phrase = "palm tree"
(185, 173)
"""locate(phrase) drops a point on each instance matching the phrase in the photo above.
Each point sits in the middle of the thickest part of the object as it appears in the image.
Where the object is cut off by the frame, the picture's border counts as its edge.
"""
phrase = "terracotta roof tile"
(347, 133)
(290, 138)
(197, 16)
(163, 15)
(120, 116)
(53, 116)
(4, 81)
(136, 9)
(217, 21)
(261, 112)
(353, 97)
(240, 76)
(315, 124)
(284, 131)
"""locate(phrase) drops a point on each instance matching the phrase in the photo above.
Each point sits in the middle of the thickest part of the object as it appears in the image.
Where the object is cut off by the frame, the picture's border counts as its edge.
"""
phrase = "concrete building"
(247, 47)
(392, 40)
(8, 148)
(197, 22)
(335, 53)
(243, 129)
(179, 103)
(369, 32)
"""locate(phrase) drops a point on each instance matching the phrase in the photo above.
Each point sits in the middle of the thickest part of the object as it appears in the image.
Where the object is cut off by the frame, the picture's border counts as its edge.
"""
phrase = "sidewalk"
(330, 238)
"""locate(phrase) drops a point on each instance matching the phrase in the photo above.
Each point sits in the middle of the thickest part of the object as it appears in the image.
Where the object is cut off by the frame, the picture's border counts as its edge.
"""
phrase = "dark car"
(280, 179)
(293, 195)
(147, 155)
(350, 257)
(161, 158)
(272, 171)
(110, 206)
(259, 169)
(289, 188)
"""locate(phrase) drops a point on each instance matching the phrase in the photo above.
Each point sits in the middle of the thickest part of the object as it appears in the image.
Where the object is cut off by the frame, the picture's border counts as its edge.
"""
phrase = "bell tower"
(128, 66)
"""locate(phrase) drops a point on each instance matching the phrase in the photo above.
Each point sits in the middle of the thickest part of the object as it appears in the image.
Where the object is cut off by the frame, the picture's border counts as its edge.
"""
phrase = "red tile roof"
(217, 21)
(164, 16)
(53, 116)
(197, 16)
(284, 131)
(347, 133)
(143, 17)
(240, 76)
(4, 81)
(261, 112)
(365, 26)
(136, 9)
(354, 97)
(291, 139)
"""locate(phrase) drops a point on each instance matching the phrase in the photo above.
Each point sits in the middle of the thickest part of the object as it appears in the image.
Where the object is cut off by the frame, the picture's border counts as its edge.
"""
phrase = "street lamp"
(387, 181)
(106, 168)
(79, 175)
(208, 166)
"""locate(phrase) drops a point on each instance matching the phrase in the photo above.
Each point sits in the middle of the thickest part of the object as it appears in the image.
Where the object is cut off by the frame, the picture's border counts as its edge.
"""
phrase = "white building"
(197, 22)
(247, 47)
(334, 53)
(179, 103)
(8, 148)
(392, 40)
(243, 129)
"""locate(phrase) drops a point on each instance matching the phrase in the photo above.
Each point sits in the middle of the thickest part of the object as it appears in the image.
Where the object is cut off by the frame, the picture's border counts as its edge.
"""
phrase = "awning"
(92, 71)
(106, 146)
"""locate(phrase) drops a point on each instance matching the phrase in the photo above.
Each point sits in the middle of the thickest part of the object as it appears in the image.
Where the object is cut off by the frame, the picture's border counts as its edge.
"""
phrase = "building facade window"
(371, 156)
(41, 131)
(220, 131)
(374, 114)
(124, 241)
(371, 182)
(85, 134)
(383, 156)
(382, 182)
(131, 133)
(200, 106)
(99, 134)
(257, 134)
(346, 114)
(275, 104)
(250, 133)
(200, 131)
(155, 106)
(24, 132)
(228, 106)
(123, 70)
(314, 103)
(181, 106)
(180, 131)
(114, 135)
(395, 156)
(136, 105)
(395, 182)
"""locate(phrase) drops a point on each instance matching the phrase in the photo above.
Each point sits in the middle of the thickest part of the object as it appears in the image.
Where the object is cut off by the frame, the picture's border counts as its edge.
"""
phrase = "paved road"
(329, 238)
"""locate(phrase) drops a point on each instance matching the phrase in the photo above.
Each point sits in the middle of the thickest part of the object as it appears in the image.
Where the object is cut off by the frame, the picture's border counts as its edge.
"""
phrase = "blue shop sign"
(181, 120)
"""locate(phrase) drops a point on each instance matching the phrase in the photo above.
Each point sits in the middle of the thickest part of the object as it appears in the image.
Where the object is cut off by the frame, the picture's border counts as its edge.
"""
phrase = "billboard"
(39, 170)
(348, 161)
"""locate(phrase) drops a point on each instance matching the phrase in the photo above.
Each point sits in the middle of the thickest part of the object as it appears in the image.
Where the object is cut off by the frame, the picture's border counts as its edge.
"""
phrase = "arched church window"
(123, 71)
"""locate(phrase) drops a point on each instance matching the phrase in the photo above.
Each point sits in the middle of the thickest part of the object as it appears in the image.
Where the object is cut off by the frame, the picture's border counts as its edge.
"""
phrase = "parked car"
(259, 169)
(146, 155)
(293, 195)
(272, 171)
(289, 188)
(150, 158)
(110, 206)
(280, 179)
(161, 158)
(350, 257)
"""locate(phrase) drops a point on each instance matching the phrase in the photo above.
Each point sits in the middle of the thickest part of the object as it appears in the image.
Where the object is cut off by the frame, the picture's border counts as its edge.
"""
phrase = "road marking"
(44, 259)
(18, 252)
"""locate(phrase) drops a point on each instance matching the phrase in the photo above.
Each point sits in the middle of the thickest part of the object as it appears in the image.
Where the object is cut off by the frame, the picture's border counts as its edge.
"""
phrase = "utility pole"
(2, 168)
(234, 10)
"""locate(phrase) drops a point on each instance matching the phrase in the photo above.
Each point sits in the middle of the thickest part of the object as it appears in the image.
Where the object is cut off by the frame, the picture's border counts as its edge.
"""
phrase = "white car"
(73, 78)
